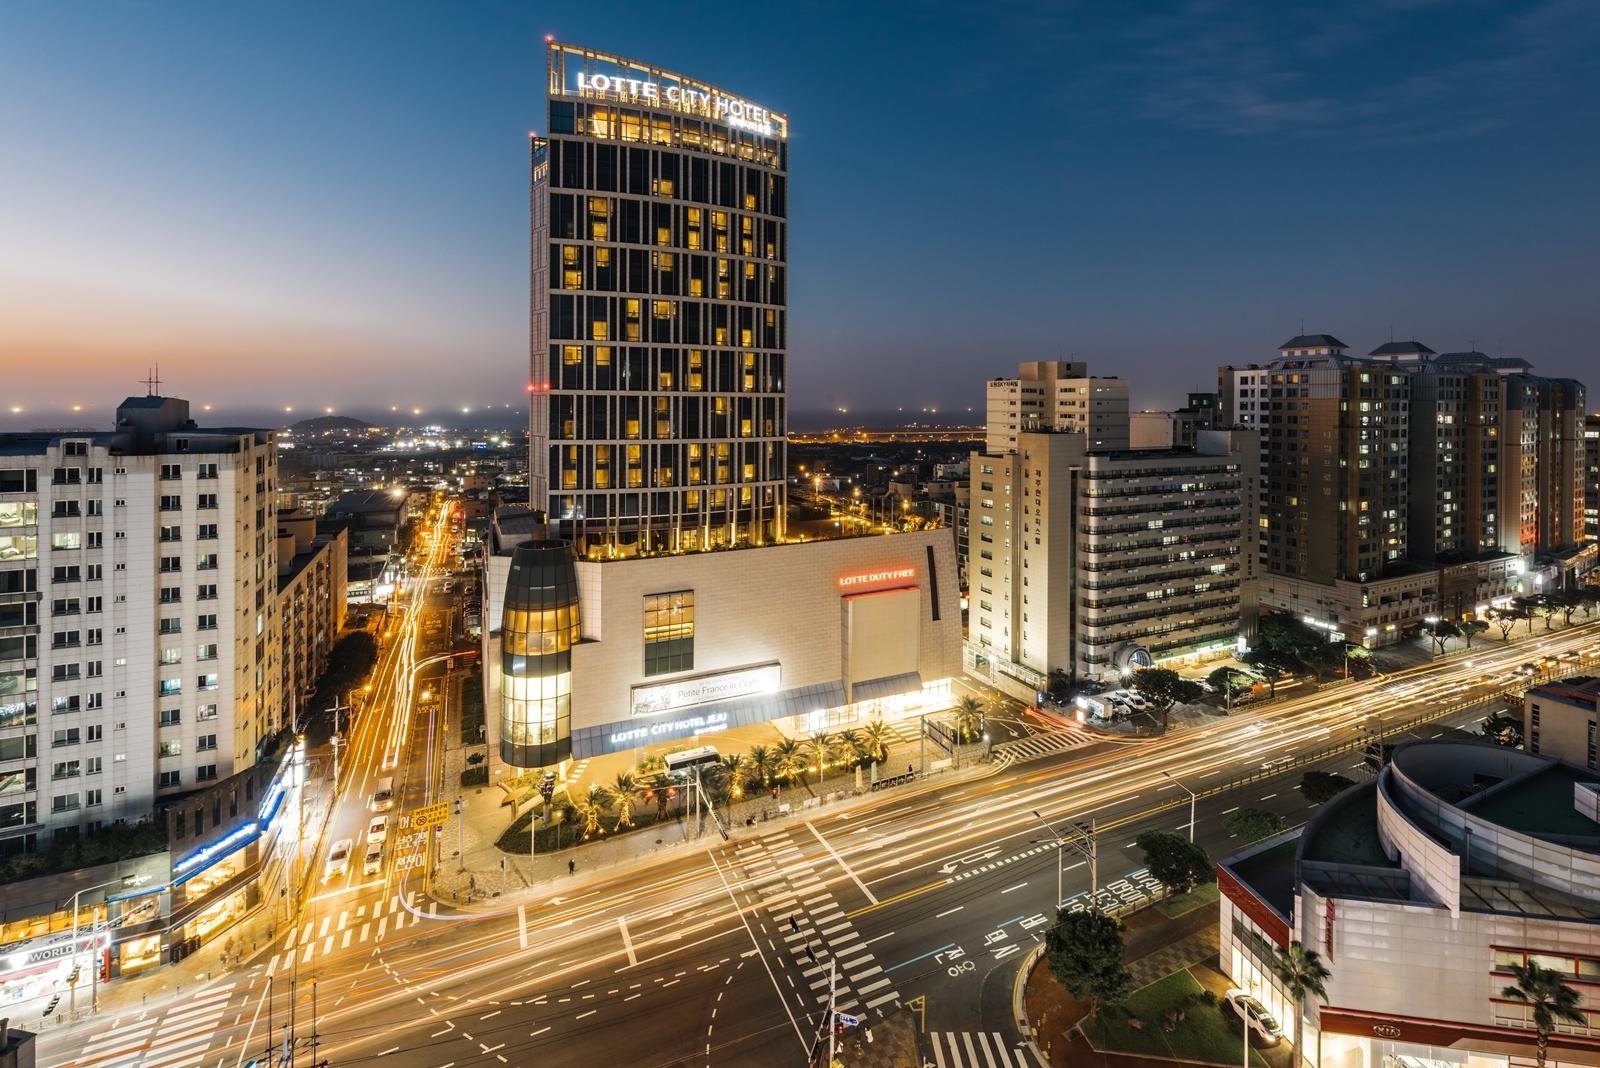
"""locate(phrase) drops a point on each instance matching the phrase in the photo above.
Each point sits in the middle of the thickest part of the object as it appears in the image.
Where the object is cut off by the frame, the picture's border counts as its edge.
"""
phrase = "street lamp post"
(1192, 797)
(76, 947)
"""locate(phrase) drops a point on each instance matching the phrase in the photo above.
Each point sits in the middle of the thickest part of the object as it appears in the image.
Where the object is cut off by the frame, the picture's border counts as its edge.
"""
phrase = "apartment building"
(311, 598)
(1591, 478)
(1097, 563)
(1056, 395)
(138, 633)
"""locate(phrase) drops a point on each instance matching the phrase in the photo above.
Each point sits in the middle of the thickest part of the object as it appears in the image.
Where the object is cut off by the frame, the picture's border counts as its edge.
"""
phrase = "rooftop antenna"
(152, 382)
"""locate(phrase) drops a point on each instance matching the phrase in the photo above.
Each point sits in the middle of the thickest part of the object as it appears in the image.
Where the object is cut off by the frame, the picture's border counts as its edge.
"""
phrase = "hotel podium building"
(658, 385)
(658, 311)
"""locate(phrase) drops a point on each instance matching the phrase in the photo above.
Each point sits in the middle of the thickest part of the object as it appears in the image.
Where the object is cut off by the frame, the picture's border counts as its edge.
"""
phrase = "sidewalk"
(493, 876)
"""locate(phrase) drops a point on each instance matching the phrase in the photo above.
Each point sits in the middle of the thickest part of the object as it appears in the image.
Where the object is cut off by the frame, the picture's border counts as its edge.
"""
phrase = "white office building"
(1097, 563)
(138, 644)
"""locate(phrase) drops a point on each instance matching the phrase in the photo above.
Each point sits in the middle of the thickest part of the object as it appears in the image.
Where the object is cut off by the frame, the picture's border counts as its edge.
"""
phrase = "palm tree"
(822, 745)
(875, 741)
(850, 746)
(1549, 996)
(969, 719)
(787, 761)
(626, 789)
(1302, 972)
(763, 763)
(595, 801)
(734, 771)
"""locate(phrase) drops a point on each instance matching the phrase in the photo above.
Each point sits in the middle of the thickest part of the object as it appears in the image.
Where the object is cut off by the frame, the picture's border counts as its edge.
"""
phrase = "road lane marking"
(1008, 889)
(948, 912)
(834, 853)
(627, 942)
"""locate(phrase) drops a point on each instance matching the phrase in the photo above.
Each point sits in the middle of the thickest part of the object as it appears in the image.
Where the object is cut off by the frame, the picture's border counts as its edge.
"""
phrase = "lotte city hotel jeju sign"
(598, 77)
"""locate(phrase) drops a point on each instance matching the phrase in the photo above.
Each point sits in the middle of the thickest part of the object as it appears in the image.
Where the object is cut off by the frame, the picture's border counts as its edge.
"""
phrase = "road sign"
(848, 1020)
(429, 815)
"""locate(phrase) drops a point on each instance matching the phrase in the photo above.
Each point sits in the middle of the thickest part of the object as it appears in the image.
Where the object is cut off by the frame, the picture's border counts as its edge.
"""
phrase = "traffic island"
(888, 1043)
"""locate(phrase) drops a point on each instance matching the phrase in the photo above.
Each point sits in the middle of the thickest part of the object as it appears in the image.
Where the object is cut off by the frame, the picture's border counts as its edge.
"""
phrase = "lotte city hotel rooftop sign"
(593, 75)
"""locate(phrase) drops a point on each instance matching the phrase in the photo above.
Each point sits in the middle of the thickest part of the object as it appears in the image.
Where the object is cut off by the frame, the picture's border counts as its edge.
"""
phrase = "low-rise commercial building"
(228, 851)
(1559, 720)
(1419, 892)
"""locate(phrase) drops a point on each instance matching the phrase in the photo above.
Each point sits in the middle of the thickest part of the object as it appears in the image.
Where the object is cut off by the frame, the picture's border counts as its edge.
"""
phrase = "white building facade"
(1056, 395)
(1098, 563)
(138, 638)
(1419, 892)
(677, 648)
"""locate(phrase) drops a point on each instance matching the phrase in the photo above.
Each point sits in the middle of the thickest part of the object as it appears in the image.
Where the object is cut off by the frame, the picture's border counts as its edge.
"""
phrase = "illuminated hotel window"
(693, 239)
(572, 279)
(663, 235)
(601, 330)
(663, 261)
(597, 230)
(694, 216)
(571, 355)
(750, 204)
(697, 286)
(668, 632)
(602, 356)
(569, 255)
(691, 500)
(602, 257)
(598, 207)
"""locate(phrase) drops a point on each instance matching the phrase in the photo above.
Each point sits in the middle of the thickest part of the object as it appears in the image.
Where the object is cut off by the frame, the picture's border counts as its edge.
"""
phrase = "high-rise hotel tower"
(658, 311)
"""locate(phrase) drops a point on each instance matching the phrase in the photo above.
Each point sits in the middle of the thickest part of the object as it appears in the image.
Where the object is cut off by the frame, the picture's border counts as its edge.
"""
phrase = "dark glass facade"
(538, 627)
(659, 311)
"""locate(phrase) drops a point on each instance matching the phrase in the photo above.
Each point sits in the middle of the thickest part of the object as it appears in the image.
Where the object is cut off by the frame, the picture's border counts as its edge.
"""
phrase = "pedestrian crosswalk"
(981, 1049)
(176, 1038)
(1043, 745)
(365, 923)
(816, 936)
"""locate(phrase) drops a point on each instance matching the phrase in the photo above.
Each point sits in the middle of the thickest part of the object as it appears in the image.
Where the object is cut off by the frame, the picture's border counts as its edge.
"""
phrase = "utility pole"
(461, 839)
(337, 740)
(833, 1014)
(1087, 846)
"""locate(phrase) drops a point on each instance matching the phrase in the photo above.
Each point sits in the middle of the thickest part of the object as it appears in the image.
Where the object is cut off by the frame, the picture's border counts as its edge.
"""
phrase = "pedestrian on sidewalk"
(811, 954)
(794, 924)
(572, 866)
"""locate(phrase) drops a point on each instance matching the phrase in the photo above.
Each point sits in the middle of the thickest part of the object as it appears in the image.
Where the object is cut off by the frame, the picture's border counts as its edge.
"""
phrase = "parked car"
(1262, 1022)
(338, 859)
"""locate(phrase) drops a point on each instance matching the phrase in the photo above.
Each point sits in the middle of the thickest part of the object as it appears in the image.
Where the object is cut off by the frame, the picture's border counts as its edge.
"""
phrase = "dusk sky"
(325, 204)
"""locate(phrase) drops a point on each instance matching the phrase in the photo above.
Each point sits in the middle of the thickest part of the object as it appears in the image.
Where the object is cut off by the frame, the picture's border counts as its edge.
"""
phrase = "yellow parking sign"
(427, 816)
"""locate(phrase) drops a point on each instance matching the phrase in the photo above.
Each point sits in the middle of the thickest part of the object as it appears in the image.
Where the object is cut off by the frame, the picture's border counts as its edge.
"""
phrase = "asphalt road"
(725, 955)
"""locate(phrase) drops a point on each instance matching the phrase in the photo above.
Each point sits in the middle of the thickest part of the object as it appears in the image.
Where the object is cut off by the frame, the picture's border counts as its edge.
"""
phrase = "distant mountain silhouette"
(326, 423)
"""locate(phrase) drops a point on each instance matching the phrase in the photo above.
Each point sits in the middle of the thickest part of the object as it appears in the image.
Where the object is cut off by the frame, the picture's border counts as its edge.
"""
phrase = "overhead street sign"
(846, 1019)
(427, 816)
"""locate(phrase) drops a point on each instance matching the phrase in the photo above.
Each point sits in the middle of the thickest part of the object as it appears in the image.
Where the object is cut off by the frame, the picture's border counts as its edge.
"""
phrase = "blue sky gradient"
(326, 204)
